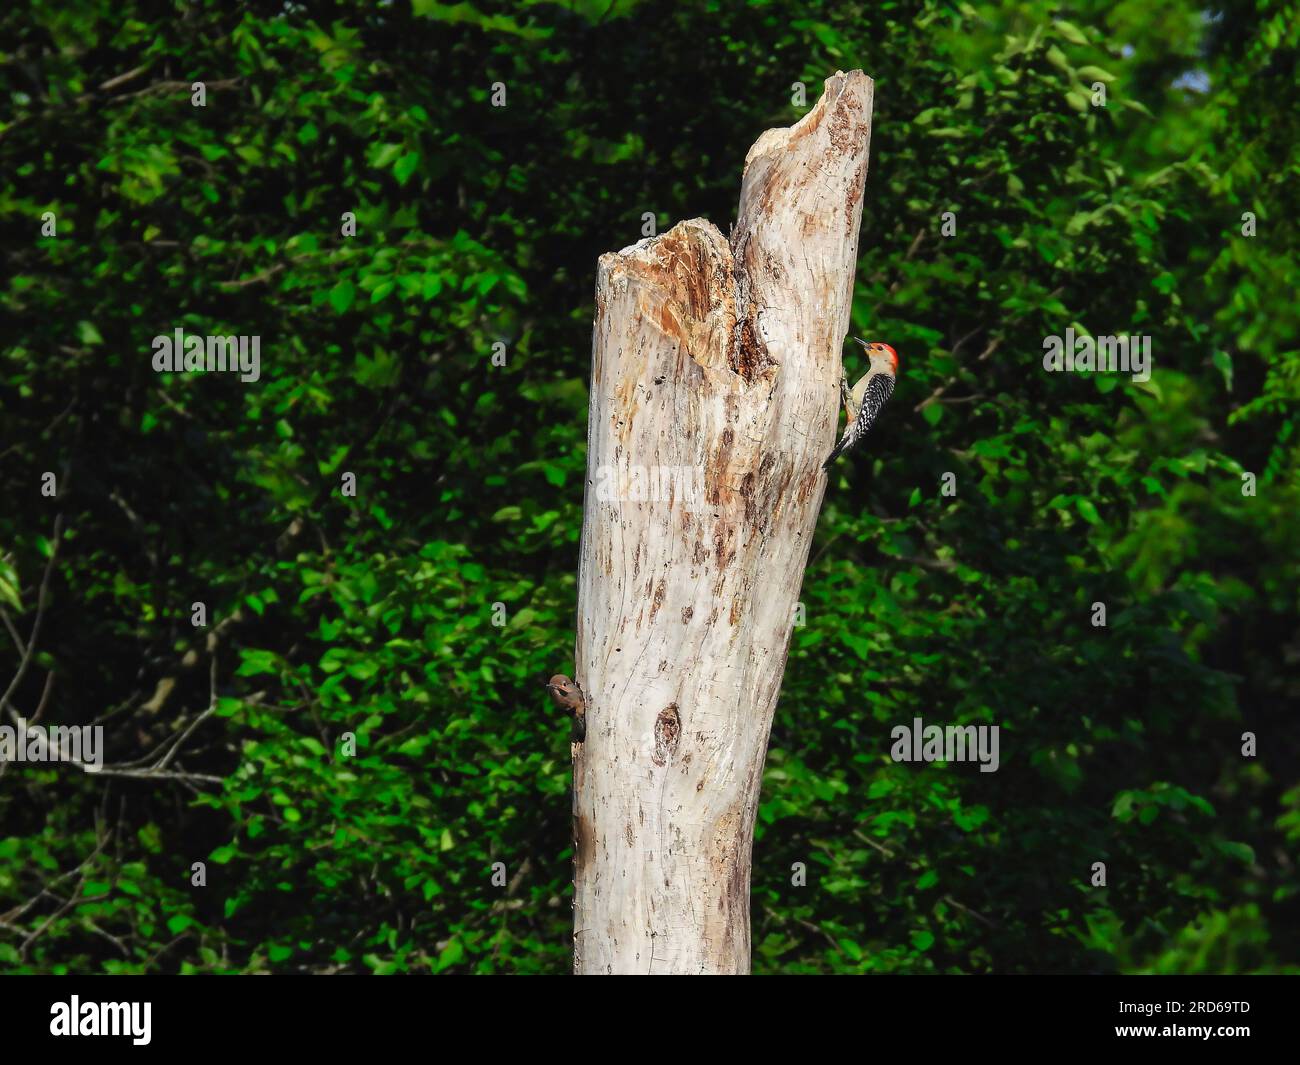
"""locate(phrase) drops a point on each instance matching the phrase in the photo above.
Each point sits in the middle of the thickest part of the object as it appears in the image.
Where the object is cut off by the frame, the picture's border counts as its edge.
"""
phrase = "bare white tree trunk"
(715, 367)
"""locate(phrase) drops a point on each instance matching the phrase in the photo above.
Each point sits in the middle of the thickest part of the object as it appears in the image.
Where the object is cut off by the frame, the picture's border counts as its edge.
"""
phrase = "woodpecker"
(568, 696)
(867, 398)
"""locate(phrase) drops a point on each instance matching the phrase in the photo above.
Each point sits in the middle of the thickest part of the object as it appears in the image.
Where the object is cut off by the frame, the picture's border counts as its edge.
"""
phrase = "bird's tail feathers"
(835, 453)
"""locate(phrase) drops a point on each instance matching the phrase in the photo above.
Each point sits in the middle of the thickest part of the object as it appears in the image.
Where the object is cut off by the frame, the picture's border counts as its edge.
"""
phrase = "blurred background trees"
(478, 225)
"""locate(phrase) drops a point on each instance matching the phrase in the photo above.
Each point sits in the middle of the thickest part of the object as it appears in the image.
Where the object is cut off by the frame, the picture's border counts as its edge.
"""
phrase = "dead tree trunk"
(714, 399)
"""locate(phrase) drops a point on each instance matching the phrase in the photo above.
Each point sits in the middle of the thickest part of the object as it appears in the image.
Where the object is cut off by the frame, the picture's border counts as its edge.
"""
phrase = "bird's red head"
(881, 351)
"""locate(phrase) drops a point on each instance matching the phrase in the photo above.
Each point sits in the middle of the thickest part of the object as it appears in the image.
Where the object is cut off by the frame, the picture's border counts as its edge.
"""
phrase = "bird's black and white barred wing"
(879, 389)
(877, 394)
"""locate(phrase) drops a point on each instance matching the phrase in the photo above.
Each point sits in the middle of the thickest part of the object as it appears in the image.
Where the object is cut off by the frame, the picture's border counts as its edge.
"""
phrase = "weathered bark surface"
(721, 357)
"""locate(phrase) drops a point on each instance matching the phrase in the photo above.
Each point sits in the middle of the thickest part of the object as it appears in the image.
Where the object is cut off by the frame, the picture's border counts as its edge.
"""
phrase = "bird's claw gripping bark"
(846, 396)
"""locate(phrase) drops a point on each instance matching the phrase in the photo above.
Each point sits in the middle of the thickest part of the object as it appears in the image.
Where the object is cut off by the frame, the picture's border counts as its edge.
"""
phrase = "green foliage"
(372, 617)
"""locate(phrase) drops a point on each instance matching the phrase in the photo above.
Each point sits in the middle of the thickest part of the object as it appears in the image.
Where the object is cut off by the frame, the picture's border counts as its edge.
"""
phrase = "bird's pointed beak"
(859, 340)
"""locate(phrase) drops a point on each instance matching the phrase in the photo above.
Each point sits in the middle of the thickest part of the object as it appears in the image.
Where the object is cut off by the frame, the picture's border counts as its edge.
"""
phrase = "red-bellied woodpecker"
(568, 696)
(867, 398)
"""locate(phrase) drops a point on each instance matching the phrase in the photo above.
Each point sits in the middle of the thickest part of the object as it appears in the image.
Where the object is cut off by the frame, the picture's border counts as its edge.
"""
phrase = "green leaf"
(227, 707)
(383, 155)
(406, 166)
(9, 585)
(1241, 851)
(859, 645)
(1070, 31)
(451, 954)
(1122, 810)
(1223, 363)
(255, 661)
(342, 295)
(1091, 74)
